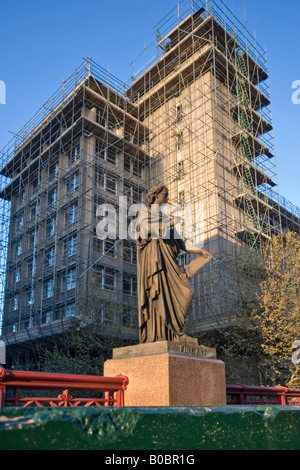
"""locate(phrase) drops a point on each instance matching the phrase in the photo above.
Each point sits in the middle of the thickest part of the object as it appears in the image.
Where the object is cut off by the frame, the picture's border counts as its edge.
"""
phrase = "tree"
(277, 318)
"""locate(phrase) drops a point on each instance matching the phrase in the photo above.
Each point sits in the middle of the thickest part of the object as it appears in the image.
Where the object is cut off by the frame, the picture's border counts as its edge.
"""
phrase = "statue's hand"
(191, 247)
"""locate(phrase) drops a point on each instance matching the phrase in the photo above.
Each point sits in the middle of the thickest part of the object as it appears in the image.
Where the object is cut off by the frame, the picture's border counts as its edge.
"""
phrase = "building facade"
(196, 118)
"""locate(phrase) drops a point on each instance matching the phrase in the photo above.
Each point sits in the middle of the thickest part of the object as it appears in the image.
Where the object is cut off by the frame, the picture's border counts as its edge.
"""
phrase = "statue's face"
(162, 197)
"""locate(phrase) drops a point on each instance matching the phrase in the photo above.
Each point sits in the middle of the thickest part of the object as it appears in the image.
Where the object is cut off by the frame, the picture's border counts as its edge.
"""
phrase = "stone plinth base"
(169, 374)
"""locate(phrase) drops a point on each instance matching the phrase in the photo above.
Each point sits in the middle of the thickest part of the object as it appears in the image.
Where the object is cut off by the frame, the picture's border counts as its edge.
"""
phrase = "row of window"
(104, 277)
(107, 182)
(71, 217)
(46, 316)
(101, 118)
(72, 185)
(70, 249)
(73, 156)
(71, 214)
(68, 282)
(107, 153)
(108, 313)
(105, 247)
(103, 180)
(108, 247)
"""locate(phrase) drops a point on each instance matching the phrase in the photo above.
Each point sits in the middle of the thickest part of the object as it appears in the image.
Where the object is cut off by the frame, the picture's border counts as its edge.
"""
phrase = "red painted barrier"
(113, 390)
(239, 394)
(12, 381)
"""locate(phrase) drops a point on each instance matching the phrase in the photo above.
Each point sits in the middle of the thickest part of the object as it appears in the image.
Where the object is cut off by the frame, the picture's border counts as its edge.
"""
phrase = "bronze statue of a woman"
(164, 291)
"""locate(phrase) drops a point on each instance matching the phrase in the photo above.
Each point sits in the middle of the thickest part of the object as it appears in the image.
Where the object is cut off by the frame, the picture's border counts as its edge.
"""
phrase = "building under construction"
(195, 115)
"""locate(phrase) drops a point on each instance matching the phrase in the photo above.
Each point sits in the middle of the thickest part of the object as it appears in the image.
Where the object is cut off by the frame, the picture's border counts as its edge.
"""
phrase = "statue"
(164, 290)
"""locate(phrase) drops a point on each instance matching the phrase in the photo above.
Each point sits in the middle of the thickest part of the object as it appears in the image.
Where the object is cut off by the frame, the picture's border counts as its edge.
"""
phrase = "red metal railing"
(12, 381)
(239, 394)
(112, 390)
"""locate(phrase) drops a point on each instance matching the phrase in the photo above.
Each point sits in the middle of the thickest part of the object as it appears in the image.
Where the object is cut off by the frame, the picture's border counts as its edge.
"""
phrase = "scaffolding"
(195, 115)
(203, 91)
(85, 151)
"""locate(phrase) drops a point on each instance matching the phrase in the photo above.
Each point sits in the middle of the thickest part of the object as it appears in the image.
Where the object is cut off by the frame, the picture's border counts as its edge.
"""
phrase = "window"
(136, 168)
(70, 279)
(72, 214)
(129, 252)
(179, 141)
(180, 170)
(105, 181)
(109, 278)
(179, 113)
(108, 153)
(111, 155)
(111, 184)
(100, 148)
(14, 327)
(35, 211)
(18, 248)
(51, 226)
(35, 186)
(52, 198)
(70, 246)
(33, 239)
(21, 196)
(106, 278)
(20, 221)
(50, 256)
(129, 316)
(99, 117)
(132, 166)
(47, 316)
(53, 171)
(109, 248)
(18, 274)
(73, 183)
(181, 198)
(30, 296)
(105, 247)
(107, 313)
(29, 323)
(133, 193)
(98, 244)
(129, 284)
(48, 288)
(127, 163)
(74, 153)
(16, 301)
(70, 310)
(31, 266)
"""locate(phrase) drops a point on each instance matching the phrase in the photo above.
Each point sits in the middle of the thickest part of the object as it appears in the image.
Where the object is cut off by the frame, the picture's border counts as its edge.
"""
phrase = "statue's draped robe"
(164, 290)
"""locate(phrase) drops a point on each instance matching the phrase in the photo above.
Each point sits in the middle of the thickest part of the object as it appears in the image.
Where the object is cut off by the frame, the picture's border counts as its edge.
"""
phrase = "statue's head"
(158, 194)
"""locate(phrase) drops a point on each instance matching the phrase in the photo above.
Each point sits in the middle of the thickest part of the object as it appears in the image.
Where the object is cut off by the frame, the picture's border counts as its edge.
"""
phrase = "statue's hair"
(154, 191)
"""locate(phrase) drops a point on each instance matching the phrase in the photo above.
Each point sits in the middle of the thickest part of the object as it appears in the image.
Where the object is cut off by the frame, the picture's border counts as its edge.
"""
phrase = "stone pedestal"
(169, 374)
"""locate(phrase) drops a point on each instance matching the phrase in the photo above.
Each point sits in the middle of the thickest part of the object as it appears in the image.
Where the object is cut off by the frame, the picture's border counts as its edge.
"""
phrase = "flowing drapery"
(164, 290)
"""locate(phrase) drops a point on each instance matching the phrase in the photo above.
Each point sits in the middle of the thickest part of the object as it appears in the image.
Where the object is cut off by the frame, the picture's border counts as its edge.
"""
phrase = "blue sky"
(41, 43)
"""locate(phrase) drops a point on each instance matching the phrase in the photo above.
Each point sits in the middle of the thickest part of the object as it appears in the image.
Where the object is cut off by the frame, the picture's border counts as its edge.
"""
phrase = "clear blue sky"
(41, 42)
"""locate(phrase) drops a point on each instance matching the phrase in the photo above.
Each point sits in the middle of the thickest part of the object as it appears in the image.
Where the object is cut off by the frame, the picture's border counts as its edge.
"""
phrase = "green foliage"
(254, 305)
(278, 316)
